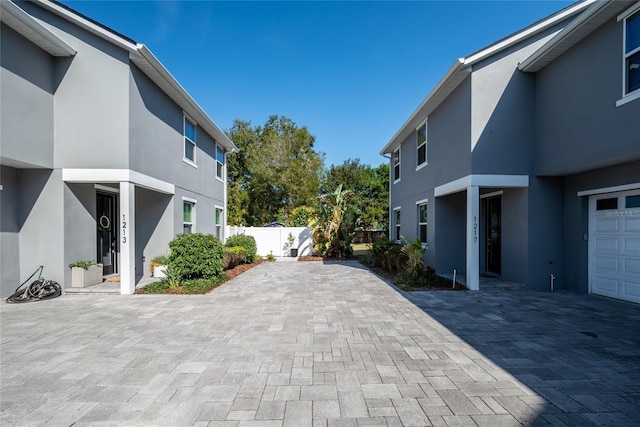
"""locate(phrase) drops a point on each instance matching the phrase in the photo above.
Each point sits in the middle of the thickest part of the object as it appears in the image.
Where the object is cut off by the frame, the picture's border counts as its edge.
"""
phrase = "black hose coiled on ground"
(38, 290)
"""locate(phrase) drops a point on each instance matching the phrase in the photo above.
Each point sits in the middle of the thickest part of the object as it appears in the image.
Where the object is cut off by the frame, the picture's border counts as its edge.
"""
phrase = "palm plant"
(332, 224)
(414, 252)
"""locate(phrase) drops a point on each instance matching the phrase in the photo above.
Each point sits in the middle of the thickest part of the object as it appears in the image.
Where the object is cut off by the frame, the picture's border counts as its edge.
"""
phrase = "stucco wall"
(579, 126)
(80, 231)
(10, 276)
(26, 88)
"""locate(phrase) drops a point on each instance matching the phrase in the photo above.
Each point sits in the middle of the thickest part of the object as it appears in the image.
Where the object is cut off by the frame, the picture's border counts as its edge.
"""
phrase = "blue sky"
(352, 72)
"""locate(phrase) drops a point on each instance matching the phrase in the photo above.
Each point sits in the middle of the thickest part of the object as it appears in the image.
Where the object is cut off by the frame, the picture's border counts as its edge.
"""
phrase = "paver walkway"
(312, 344)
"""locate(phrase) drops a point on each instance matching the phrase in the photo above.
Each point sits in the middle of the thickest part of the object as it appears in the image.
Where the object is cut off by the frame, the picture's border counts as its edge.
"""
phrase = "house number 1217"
(124, 229)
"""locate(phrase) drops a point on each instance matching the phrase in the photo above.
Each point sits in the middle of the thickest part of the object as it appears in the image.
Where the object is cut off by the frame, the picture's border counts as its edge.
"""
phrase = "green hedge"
(234, 256)
(196, 256)
(247, 242)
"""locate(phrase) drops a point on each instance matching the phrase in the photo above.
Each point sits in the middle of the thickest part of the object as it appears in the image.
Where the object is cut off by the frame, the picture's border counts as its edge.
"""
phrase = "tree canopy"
(370, 187)
(278, 176)
(275, 171)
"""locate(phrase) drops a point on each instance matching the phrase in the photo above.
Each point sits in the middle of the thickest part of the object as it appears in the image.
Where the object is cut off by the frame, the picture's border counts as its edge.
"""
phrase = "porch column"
(473, 237)
(127, 239)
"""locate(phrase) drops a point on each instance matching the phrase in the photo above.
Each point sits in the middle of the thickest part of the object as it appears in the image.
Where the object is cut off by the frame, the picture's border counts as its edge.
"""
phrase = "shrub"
(82, 264)
(234, 256)
(387, 254)
(414, 252)
(196, 256)
(247, 242)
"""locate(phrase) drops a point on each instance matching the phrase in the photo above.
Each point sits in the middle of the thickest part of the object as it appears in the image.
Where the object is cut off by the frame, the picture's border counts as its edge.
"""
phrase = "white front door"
(614, 245)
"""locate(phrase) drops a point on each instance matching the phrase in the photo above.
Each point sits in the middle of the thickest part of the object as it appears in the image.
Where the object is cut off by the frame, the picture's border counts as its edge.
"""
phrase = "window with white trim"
(188, 216)
(421, 145)
(396, 164)
(219, 222)
(219, 162)
(632, 52)
(397, 223)
(189, 140)
(422, 222)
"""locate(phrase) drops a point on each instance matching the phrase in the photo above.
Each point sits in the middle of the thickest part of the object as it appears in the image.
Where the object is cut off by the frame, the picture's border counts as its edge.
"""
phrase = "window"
(397, 211)
(219, 223)
(219, 161)
(421, 144)
(189, 140)
(632, 202)
(188, 216)
(632, 53)
(396, 165)
(422, 222)
(606, 204)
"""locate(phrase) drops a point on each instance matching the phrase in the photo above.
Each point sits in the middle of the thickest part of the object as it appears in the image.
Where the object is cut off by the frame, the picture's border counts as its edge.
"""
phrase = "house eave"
(21, 22)
(463, 67)
(597, 14)
(144, 59)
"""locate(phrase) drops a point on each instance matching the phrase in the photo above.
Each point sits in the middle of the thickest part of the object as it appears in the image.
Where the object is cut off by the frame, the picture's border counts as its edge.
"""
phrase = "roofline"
(457, 66)
(139, 51)
(44, 38)
(202, 117)
(534, 62)
(463, 64)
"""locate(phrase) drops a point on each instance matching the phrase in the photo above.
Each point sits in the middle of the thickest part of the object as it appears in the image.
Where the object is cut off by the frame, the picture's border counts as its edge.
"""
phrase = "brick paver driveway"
(312, 344)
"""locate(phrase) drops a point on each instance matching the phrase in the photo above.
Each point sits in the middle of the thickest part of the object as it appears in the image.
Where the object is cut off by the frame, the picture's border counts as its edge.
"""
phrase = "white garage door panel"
(614, 247)
(632, 289)
(607, 263)
(606, 286)
(632, 224)
(632, 266)
(632, 245)
(607, 244)
(604, 225)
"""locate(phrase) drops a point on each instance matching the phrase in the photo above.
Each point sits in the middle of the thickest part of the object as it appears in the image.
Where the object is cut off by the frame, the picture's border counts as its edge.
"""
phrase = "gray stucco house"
(104, 155)
(524, 160)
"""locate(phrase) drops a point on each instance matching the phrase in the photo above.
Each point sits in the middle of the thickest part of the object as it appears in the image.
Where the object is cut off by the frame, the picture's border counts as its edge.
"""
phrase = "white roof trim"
(153, 68)
(87, 25)
(16, 18)
(462, 67)
(140, 55)
(604, 190)
(583, 25)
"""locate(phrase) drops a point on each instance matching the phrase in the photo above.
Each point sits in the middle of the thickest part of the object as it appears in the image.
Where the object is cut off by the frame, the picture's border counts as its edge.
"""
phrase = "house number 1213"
(124, 229)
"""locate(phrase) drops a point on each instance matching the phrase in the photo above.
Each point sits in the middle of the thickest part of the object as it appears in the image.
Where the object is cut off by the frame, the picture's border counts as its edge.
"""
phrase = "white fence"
(275, 240)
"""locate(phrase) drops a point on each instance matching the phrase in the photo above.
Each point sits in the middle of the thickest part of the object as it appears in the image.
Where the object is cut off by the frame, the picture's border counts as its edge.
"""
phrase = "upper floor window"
(422, 222)
(421, 144)
(219, 161)
(188, 216)
(189, 140)
(632, 52)
(396, 165)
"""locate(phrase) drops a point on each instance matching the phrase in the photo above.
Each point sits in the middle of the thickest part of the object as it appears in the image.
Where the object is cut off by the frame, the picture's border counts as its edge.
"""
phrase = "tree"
(370, 187)
(275, 171)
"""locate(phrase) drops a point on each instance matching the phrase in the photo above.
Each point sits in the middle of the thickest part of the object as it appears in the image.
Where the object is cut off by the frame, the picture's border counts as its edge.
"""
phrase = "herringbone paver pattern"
(321, 345)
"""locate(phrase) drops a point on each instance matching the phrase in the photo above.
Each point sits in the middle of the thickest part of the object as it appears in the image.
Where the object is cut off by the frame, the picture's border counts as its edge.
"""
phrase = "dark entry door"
(106, 226)
(494, 244)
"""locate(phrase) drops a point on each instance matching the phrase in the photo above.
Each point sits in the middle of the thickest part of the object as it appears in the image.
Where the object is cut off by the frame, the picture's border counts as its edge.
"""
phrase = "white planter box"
(81, 278)
(160, 271)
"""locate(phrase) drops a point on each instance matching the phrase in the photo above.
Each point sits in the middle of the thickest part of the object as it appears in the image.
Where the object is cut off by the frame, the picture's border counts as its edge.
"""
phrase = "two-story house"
(104, 156)
(524, 161)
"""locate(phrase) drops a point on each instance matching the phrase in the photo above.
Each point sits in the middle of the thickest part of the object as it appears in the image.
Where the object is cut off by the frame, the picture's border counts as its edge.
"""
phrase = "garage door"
(614, 245)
